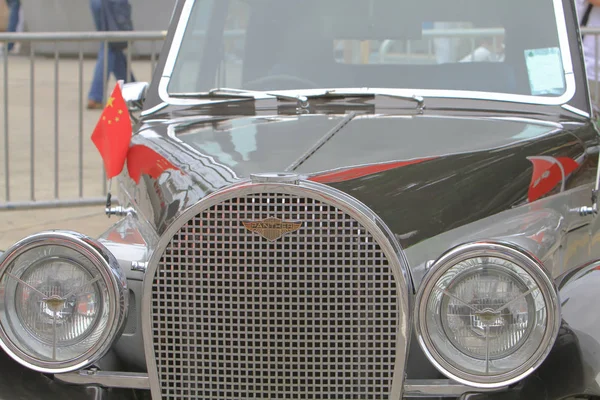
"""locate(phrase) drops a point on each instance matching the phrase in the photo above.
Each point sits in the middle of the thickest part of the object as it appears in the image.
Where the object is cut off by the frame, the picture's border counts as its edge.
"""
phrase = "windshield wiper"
(301, 101)
(353, 92)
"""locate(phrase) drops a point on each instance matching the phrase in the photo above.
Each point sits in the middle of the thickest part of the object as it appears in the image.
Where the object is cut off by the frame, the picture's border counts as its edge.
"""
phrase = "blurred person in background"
(589, 16)
(109, 15)
(14, 7)
(489, 49)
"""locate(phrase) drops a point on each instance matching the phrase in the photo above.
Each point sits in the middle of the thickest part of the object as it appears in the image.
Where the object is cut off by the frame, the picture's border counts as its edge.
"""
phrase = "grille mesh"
(312, 315)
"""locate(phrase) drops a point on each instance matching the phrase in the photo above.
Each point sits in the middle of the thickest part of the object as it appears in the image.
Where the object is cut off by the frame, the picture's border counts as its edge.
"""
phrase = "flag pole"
(109, 210)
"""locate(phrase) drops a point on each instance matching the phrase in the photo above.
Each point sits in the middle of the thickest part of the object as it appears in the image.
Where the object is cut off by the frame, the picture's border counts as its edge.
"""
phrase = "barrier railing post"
(32, 121)
(80, 121)
(152, 57)
(56, 120)
(596, 73)
(128, 76)
(28, 195)
(105, 74)
(6, 126)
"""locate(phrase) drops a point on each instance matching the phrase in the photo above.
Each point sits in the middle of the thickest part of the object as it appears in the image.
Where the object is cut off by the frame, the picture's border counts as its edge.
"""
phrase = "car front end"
(394, 217)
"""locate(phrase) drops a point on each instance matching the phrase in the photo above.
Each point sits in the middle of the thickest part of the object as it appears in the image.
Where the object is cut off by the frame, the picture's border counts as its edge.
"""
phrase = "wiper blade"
(420, 100)
(301, 101)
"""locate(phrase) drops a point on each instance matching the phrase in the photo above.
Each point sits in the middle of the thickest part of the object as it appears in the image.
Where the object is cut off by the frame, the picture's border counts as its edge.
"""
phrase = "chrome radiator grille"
(311, 315)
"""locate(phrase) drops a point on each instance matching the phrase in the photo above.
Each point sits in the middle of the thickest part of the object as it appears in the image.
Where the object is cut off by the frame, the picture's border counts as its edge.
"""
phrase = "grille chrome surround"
(321, 312)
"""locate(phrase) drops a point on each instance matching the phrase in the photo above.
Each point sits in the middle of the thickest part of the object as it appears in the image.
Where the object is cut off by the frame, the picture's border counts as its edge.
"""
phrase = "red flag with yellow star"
(113, 133)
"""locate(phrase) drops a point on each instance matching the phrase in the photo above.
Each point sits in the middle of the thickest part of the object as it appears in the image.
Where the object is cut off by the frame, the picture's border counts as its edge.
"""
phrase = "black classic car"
(333, 199)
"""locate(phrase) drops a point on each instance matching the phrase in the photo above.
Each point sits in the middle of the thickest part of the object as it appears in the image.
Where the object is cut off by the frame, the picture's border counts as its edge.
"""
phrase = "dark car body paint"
(484, 160)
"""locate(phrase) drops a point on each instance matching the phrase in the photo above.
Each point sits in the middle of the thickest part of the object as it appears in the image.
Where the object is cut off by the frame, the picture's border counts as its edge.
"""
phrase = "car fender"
(579, 296)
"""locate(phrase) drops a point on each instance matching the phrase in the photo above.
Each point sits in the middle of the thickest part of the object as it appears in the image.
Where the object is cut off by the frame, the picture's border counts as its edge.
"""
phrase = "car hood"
(423, 175)
(261, 144)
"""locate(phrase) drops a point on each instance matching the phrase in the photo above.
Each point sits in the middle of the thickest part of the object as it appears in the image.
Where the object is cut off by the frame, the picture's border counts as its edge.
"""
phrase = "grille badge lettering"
(272, 228)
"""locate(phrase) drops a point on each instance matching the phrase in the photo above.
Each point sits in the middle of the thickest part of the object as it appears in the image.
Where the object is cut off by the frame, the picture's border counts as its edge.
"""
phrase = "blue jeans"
(13, 20)
(116, 61)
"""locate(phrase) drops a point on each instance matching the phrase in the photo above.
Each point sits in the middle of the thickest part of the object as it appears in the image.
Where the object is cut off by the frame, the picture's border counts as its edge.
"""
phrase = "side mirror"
(134, 94)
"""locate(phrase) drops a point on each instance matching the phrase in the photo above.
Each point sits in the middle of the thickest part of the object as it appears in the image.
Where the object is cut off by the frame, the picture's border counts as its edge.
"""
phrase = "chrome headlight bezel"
(112, 276)
(507, 252)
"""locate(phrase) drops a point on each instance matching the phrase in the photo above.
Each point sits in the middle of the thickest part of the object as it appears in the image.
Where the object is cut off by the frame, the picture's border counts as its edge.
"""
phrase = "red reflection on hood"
(358, 172)
(538, 237)
(143, 160)
(547, 173)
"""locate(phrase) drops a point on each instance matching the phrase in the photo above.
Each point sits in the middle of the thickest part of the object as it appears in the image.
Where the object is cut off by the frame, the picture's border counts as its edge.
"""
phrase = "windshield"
(451, 45)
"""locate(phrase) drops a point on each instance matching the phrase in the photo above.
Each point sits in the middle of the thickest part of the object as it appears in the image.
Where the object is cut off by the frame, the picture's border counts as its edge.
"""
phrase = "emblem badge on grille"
(272, 228)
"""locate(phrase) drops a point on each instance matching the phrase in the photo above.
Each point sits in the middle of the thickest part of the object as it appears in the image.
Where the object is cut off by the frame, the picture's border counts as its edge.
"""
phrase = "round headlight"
(62, 301)
(487, 314)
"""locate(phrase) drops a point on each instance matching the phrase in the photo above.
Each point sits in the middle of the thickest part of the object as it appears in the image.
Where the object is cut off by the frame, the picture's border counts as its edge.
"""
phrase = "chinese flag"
(142, 160)
(113, 133)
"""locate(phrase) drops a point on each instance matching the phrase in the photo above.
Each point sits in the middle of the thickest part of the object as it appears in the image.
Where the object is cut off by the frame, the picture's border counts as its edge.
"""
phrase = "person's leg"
(21, 23)
(120, 67)
(96, 6)
(96, 94)
(13, 19)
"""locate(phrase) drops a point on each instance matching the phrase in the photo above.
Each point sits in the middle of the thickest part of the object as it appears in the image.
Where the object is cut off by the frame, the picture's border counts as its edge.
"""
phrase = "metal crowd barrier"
(28, 182)
(32, 174)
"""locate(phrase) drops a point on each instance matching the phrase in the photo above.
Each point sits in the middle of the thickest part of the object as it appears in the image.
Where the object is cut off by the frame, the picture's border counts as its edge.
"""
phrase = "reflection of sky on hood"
(243, 137)
(259, 144)
(531, 131)
(255, 141)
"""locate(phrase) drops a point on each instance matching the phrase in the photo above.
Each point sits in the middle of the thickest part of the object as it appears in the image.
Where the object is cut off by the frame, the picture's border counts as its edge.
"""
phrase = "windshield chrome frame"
(459, 94)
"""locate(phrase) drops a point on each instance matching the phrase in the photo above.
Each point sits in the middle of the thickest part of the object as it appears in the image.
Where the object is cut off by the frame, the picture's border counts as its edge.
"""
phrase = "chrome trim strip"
(531, 121)
(439, 388)
(369, 220)
(459, 94)
(122, 380)
(177, 38)
(525, 120)
(576, 110)
(563, 37)
(290, 178)
(154, 109)
(509, 252)
(321, 142)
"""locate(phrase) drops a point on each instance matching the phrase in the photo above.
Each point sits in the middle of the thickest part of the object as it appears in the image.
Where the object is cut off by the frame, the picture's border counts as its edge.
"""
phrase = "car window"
(471, 45)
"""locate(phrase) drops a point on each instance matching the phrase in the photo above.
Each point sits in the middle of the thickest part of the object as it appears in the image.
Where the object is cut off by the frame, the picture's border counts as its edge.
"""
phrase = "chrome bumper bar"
(123, 380)
(413, 388)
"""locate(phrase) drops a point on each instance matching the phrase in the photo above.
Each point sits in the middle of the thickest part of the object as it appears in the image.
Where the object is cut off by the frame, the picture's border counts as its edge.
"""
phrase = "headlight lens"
(487, 314)
(62, 301)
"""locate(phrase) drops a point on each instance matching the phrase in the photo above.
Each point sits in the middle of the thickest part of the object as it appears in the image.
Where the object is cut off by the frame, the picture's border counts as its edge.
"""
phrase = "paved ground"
(57, 130)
